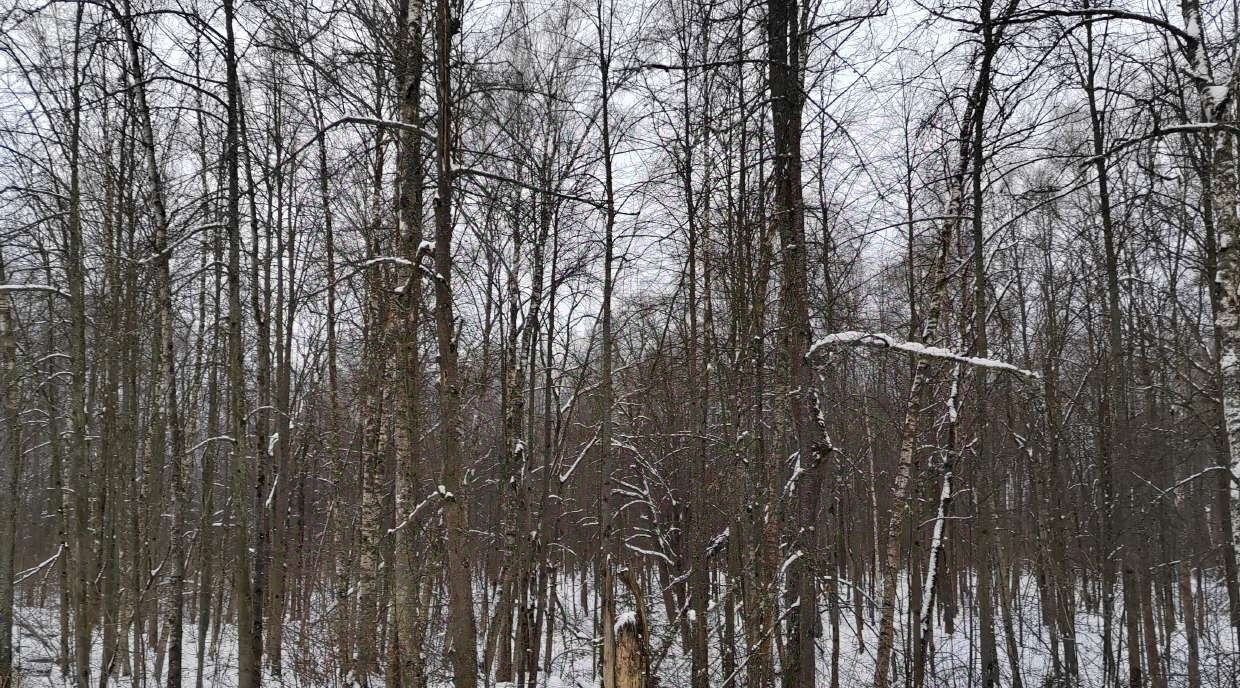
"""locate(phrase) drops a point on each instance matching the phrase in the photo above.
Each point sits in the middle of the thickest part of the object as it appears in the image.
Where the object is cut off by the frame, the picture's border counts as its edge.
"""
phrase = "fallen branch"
(878, 340)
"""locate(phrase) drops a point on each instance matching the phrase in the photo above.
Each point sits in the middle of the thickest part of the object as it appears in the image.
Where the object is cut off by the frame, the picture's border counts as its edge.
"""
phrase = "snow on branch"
(380, 260)
(1183, 36)
(1187, 128)
(649, 553)
(878, 340)
(209, 440)
(23, 575)
(416, 509)
(33, 287)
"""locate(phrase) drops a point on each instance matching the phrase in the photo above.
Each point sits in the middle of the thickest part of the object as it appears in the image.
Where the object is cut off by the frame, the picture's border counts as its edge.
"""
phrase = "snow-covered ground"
(954, 665)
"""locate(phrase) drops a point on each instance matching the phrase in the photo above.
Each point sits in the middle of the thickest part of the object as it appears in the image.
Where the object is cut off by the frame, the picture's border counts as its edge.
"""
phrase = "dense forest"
(554, 343)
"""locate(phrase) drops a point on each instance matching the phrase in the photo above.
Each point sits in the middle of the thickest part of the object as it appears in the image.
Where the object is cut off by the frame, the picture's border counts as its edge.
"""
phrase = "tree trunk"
(10, 471)
(461, 631)
(901, 505)
(812, 444)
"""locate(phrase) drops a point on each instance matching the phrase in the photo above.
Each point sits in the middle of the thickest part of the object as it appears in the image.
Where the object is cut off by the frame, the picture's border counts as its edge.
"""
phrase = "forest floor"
(954, 665)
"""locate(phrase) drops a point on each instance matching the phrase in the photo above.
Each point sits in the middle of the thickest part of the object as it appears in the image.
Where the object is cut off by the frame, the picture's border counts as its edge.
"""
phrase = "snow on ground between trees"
(954, 661)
